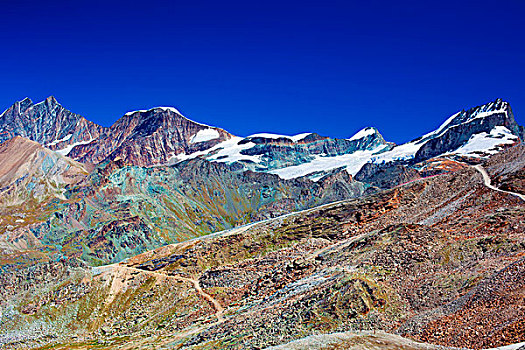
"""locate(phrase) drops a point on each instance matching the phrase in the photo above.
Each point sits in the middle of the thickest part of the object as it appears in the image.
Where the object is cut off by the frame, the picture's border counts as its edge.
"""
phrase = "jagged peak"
(51, 99)
(26, 104)
(465, 116)
(494, 106)
(25, 100)
(21, 105)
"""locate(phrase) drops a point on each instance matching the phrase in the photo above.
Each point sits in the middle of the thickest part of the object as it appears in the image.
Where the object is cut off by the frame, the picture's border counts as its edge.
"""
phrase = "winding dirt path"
(217, 306)
(487, 182)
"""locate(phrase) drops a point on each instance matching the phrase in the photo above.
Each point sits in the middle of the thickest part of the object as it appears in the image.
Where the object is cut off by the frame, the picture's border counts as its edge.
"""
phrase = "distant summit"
(162, 135)
(47, 123)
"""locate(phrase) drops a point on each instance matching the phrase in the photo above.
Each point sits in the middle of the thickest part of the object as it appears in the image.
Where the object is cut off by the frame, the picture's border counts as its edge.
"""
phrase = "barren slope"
(438, 260)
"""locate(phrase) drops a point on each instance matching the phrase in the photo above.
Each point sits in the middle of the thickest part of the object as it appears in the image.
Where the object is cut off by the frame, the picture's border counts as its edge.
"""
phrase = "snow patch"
(205, 135)
(316, 177)
(486, 142)
(294, 138)
(65, 151)
(482, 115)
(402, 152)
(228, 151)
(362, 134)
(65, 138)
(352, 162)
(172, 109)
(299, 137)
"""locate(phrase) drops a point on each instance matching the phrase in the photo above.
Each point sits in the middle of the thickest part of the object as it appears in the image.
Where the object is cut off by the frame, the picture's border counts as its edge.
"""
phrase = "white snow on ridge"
(294, 138)
(65, 151)
(1, 115)
(402, 152)
(482, 142)
(482, 115)
(67, 137)
(408, 150)
(479, 115)
(442, 126)
(172, 109)
(205, 135)
(228, 151)
(352, 162)
(363, 133)
(299, 137)
(486, 142)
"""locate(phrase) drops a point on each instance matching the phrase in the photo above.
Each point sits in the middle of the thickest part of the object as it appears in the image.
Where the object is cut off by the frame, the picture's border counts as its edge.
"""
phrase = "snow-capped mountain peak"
(162, 135)
(366, 132)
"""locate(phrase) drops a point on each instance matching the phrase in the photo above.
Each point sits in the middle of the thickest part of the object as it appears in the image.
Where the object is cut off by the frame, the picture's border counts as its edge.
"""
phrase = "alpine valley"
(160, 232)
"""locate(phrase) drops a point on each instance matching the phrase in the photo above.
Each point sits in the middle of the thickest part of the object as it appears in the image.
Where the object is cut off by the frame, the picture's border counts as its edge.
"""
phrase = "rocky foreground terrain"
(439, 260)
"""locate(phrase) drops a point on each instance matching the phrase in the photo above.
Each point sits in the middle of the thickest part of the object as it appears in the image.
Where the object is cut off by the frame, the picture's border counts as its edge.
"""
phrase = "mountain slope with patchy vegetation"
(438, 260)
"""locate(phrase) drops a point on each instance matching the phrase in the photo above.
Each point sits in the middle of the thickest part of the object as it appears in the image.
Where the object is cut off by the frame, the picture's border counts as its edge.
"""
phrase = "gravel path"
(487, 182)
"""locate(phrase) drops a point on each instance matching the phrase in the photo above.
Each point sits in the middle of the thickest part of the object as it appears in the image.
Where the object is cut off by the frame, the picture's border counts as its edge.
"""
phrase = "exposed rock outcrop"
(47, 123)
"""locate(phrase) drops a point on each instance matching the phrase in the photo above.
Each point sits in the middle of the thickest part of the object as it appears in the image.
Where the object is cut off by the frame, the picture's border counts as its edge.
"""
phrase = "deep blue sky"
(331, 67)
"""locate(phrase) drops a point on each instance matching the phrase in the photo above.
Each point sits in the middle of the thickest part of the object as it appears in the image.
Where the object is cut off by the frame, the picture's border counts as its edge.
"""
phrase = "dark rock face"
(467, 123)
(142, 138)
(47, 123)
(507, 169)
(146, 138)
(431, 157)
(386, 175)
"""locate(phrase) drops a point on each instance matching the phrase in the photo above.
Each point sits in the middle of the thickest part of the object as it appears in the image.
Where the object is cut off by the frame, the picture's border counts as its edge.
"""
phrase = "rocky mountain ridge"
(152, 137)
(47, 123)
(161, 136)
